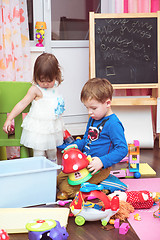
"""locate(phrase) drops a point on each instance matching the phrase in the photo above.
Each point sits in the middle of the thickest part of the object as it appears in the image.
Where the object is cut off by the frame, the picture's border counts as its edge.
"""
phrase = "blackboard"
(125, 48)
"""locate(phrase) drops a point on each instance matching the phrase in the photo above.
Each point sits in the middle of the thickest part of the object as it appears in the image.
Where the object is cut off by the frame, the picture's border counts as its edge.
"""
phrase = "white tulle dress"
(43, 125)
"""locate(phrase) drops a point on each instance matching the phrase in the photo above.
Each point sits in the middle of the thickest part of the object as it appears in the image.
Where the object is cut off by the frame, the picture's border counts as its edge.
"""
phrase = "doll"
(138, 199)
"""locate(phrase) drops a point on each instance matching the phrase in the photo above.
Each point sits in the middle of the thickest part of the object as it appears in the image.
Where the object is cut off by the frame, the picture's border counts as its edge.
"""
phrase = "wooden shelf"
(134, 101)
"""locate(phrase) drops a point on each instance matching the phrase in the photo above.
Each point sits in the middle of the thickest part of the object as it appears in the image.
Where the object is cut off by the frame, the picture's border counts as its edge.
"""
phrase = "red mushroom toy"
(3, 235)
(74, 163)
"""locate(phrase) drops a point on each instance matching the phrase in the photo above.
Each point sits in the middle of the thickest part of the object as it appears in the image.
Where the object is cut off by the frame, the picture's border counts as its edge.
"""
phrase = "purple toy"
(46, 230)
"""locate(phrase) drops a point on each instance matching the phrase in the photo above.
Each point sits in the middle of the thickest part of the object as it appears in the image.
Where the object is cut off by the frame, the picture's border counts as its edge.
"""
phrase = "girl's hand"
(7, 126)
(95, 165)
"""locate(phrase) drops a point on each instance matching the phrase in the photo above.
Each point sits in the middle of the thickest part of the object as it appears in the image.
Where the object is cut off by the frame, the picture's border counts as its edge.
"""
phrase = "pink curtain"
(15, 64)
(155, 5)
(138, 6)
(125, 6)
(14, 41)
(119, 8)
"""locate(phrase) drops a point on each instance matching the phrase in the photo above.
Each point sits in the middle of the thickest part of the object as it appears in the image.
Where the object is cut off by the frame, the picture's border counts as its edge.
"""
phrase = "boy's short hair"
(99, 89)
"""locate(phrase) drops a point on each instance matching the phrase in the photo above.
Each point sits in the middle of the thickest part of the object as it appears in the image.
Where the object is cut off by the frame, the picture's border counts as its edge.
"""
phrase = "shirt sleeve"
(120, 147)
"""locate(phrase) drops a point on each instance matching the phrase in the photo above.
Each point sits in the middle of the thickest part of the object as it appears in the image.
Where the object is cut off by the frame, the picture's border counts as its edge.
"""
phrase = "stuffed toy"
(138, 199)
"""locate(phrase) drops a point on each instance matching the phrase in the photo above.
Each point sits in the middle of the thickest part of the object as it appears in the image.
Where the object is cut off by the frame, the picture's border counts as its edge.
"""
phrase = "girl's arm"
(32, 93)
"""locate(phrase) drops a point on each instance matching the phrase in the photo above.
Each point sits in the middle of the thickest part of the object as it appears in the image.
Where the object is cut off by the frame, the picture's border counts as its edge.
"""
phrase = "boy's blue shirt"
(111, 146)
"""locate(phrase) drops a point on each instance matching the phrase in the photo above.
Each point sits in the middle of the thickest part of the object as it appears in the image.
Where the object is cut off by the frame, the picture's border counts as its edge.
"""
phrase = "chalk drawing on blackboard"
(154, 66)
(133, 73)
(110, 71)
(130, 46)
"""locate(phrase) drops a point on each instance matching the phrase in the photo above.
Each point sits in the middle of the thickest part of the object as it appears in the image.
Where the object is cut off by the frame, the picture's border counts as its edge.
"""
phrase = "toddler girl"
(43, 126)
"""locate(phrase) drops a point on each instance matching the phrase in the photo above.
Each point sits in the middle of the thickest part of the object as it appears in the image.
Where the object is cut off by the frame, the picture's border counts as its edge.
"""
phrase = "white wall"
(75, 69)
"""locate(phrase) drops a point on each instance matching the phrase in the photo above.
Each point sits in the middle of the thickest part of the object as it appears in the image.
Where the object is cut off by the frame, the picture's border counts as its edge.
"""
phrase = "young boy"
(104, 138)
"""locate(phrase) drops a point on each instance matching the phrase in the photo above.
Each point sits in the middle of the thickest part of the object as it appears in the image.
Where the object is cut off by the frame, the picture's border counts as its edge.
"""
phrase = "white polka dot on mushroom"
(75, 167)
(65, 156)
(80, 156)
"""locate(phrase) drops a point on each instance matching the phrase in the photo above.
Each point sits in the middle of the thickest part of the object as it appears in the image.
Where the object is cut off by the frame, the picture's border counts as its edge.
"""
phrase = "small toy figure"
(68, 139)
(40, 27)
(3, 235)
(88, 211)
(40, 229)
(137, 217)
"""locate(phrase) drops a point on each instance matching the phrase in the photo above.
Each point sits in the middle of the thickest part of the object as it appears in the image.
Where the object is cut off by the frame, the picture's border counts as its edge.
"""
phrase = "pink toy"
(3, 235)
(124, 228)
(60, 202)
(116, 223)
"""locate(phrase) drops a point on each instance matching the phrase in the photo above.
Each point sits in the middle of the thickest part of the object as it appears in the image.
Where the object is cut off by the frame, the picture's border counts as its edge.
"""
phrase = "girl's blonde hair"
(46, 68)
(99, 89)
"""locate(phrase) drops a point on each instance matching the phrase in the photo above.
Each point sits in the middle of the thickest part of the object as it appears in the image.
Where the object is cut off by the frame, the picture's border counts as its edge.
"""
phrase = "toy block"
(145, 170)
(116, 223)
(124, 228)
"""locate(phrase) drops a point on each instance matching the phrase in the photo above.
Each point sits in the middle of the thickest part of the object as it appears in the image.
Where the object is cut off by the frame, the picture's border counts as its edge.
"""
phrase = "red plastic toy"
(88, 211)
(3, 235)
(74, 164)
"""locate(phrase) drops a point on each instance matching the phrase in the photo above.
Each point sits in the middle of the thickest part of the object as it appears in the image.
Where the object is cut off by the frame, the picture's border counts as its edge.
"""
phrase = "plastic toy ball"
(137, 175)
(40, 229)
(3, 235)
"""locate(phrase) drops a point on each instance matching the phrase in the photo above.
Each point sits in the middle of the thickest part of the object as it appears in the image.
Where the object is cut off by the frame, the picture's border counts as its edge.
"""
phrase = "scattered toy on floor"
(3, 235)
(60, 202)
(123, 229)
(133, 158)
(138, 199)
(88, 211)
(41, 229)
(137, 217)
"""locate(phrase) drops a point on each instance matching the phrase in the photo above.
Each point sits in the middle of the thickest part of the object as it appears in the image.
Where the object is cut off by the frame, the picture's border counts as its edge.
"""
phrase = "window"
(69, 18)
(30, 19)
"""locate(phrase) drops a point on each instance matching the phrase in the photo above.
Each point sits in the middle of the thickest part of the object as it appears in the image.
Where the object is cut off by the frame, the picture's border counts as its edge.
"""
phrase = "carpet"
(149, 227)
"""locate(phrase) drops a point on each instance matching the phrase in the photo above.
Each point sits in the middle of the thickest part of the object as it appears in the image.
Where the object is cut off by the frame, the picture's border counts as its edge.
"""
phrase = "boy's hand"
(7, 126)
(95, 165)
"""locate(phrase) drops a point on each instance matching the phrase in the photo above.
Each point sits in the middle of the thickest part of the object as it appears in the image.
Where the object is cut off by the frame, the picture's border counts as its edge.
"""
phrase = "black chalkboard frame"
(92, 46)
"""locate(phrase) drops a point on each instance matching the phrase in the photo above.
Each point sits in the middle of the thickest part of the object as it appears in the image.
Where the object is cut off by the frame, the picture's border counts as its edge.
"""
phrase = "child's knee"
(52, 154)
(38, 153)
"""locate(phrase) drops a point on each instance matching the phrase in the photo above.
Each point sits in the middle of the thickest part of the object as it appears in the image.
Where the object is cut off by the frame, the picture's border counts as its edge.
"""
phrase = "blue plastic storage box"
(27, 182)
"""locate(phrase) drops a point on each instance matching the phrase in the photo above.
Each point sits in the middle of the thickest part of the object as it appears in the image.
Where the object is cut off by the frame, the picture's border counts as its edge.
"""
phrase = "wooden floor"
(93, 230)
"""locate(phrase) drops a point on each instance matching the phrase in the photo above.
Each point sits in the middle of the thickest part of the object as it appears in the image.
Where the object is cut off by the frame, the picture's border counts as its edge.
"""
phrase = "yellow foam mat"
(14, 220)
(145, 170)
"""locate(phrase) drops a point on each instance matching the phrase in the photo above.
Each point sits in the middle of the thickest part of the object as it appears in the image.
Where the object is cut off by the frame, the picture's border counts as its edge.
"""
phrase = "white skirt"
(42, 134)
